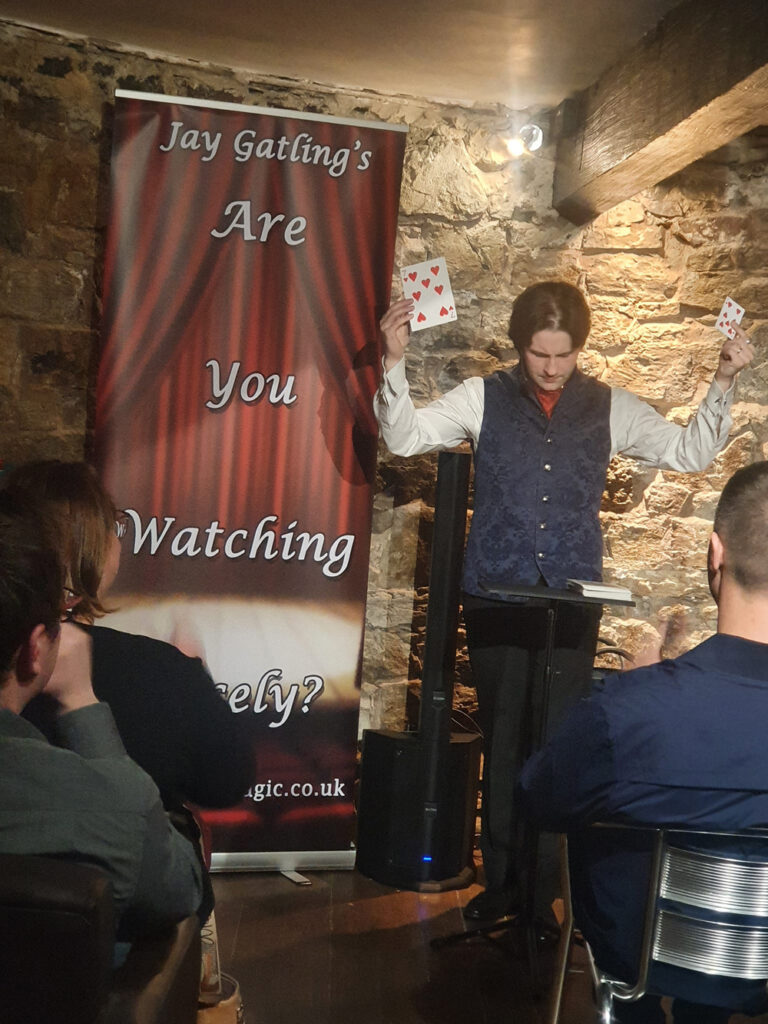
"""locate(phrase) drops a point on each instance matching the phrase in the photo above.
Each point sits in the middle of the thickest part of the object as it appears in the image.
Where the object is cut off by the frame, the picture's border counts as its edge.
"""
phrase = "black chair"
(57, 942)
(726, 935)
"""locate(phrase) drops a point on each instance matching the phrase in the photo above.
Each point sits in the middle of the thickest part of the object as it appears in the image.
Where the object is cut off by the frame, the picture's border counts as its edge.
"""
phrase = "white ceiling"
(522, 53)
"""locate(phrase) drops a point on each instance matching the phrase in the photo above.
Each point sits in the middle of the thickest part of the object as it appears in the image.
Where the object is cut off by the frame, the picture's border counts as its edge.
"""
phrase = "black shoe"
(490, 905)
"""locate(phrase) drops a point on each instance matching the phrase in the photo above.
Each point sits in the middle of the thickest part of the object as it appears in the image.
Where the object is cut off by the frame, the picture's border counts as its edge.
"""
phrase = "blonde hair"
(72, 496)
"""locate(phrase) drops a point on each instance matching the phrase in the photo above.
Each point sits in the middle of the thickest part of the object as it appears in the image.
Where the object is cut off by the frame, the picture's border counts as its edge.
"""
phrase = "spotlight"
(528, 139)
(531, 136)
(516, 146)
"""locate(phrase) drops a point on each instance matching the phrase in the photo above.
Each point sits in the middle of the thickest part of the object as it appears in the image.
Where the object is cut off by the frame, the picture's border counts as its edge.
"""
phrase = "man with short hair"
(681, 743)
(84, 800)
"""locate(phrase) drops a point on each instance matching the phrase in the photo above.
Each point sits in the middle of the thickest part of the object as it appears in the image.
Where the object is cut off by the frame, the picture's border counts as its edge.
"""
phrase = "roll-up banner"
(249, 255)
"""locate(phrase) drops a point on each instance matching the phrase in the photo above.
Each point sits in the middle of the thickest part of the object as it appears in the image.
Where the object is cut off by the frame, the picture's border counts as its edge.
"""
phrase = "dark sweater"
(172, 720)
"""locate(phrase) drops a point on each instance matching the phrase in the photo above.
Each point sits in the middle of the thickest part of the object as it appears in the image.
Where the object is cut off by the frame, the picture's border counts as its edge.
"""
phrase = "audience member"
(170, 716)
(84, 800)
(678, 743)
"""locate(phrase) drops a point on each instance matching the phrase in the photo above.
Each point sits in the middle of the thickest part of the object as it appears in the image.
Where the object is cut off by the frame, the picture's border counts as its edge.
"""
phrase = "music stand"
(549, 599)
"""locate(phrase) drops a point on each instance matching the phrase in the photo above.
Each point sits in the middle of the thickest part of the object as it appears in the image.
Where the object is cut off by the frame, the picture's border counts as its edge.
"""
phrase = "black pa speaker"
(390, 833)
(418, 791)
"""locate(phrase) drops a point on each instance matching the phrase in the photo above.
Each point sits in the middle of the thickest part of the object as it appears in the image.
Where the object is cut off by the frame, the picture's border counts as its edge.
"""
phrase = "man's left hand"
(736, 353)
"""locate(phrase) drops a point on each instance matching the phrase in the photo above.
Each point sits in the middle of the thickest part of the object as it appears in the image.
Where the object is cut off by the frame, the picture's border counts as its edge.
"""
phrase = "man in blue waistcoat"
(680, 743)
(543, 435)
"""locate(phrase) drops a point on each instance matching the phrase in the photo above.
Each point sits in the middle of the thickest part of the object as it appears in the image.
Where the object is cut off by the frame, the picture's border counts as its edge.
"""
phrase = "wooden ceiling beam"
(697, 81)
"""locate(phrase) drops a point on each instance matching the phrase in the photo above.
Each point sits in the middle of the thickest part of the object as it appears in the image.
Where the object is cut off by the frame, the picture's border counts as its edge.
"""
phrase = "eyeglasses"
(121, 524)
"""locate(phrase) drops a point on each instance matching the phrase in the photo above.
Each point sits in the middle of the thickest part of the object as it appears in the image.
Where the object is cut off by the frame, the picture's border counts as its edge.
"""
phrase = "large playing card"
(428, 285)
(731, 311)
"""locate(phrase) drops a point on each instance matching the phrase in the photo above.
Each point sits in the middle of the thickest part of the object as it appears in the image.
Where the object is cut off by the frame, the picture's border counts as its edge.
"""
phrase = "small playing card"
(731, 311)
(428, 285)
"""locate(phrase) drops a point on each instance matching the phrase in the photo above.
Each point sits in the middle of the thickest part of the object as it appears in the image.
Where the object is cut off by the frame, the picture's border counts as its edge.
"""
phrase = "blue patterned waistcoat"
(538, 484)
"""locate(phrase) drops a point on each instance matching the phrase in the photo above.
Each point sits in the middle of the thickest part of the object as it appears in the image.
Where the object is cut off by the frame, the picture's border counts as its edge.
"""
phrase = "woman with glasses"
(171, 718)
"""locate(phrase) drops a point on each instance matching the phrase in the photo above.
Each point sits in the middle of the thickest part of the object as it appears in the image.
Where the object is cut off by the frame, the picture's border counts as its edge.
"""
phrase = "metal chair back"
(714, 926)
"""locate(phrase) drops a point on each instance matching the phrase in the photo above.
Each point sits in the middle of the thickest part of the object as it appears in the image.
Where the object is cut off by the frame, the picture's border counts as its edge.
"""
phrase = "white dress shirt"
(637, 430)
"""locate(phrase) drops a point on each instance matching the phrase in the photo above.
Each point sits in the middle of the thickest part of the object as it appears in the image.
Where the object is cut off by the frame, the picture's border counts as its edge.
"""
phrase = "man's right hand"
(395, 331)
(70, 683)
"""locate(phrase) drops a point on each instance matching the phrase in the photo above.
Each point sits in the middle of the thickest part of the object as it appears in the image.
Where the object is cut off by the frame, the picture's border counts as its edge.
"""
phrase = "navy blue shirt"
(681, 743)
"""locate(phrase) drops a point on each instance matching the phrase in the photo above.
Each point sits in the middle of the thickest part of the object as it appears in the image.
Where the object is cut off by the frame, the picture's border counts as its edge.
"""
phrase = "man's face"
(550, 359)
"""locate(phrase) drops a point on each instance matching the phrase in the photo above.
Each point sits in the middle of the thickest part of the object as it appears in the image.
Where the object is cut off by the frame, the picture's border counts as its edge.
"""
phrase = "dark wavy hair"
(553, 306)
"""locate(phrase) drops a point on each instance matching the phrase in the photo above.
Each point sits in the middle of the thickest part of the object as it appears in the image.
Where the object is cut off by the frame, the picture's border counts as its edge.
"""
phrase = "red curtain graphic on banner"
(249, 257)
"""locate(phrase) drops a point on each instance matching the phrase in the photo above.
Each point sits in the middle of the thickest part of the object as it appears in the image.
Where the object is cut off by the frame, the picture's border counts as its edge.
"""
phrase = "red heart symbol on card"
(416, 296)
(439, 289)
(412, 276)
(435, 270)
(443, 311)
(426, 283)
(728, 305)
(451, 308)
(420, 317)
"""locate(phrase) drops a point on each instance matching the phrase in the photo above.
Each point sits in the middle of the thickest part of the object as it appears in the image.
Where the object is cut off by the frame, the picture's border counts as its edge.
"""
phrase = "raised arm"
(396, 331)
(640, 432)
(736, 353)
(444, 423)
(110, 810)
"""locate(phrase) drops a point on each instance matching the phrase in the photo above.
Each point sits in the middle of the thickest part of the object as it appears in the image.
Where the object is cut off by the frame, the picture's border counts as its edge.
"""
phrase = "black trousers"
(506, 644)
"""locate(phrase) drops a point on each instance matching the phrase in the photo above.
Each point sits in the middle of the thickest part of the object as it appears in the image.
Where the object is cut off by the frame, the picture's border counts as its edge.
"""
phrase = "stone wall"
(655, 269)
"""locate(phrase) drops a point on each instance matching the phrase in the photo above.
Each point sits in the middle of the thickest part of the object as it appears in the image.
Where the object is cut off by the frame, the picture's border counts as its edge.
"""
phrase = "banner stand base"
(289, 860)
(296, 877)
